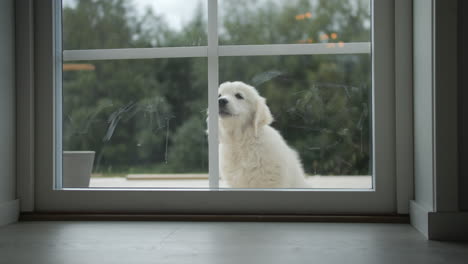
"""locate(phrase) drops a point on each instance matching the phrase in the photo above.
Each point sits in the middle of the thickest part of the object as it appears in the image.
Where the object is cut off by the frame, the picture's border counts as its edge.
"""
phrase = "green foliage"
(149, 115)
(190, 146)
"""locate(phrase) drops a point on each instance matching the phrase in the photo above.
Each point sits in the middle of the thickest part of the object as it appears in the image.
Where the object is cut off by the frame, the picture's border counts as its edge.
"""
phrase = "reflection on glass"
(320, 104)
(141, 119)
(112, 24)
(244, 22)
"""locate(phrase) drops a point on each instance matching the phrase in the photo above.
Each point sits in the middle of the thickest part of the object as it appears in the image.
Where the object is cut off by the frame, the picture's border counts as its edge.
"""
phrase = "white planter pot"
(77, 168)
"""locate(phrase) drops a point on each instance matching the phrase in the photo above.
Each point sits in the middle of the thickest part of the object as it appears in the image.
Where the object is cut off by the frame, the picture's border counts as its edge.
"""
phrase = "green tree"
(149, 115)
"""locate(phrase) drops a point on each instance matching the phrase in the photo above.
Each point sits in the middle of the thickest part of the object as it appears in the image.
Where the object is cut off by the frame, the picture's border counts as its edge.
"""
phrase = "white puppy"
(252, 153)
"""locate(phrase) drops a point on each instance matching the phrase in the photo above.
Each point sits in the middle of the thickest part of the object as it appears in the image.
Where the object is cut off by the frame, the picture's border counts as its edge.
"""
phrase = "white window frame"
(381, 199)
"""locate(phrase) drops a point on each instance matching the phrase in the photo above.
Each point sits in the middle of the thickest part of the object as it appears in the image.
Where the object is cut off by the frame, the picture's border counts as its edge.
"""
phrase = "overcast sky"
(176, 12)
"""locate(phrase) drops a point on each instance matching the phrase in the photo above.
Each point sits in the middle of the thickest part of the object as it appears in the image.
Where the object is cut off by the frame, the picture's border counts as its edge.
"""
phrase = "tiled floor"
(221, 243)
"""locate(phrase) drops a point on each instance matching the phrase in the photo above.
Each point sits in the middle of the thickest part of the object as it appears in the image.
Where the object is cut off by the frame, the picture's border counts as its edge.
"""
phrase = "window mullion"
(213, 82)
(134, 53)
(57, 49)
(296, 49)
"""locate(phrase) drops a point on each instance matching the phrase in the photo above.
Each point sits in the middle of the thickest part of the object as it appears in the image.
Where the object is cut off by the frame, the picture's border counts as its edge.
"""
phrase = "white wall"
(7, 111)
(423, 104)
(435, 211)
(463, 98)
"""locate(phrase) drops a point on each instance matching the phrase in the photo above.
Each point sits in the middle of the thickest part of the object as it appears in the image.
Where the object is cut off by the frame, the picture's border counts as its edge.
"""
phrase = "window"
(141, 112)
(133, 90)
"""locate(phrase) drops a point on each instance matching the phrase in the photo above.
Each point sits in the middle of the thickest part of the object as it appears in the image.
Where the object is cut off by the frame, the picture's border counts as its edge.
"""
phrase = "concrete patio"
(201, 181)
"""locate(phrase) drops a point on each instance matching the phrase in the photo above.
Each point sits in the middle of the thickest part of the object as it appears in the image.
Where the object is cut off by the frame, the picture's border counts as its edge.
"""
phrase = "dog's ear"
(262, 115)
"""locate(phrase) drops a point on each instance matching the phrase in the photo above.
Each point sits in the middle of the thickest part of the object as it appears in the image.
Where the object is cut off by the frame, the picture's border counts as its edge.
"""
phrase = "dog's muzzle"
(222, 102)
(222, 105)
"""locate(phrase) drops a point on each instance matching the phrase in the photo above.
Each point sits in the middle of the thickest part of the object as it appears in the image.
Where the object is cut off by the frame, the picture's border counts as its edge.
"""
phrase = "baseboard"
(439, 225)
(448, 226)
(419, 218)
(9, 212)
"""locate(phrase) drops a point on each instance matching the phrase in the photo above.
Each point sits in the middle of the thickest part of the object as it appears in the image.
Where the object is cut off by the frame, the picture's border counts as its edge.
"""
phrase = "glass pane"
(321, 106)
(112, 24)
(244, 22)
(135, 123)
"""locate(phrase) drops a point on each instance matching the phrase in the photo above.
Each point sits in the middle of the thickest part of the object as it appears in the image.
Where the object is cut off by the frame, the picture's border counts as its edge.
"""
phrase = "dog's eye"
(219, 95)
(239, 96)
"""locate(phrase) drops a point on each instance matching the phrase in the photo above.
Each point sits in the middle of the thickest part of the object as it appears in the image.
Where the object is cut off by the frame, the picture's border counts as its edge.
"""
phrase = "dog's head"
(240, 105)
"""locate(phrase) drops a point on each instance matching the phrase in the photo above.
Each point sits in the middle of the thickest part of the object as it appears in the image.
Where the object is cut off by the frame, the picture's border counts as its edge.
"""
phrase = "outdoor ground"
(201, 181)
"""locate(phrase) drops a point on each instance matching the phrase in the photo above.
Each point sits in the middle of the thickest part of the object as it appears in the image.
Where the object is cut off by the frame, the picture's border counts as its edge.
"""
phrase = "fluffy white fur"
(252, 153)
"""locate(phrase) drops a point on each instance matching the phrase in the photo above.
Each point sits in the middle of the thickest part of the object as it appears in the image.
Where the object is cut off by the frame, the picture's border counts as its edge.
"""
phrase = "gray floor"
(196, 242)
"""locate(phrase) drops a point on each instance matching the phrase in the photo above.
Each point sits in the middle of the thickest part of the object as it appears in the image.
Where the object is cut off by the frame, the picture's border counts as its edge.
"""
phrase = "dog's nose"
(222, 102)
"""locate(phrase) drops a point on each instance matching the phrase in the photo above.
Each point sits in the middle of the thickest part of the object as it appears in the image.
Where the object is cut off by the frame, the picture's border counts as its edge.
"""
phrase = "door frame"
(381, 200)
